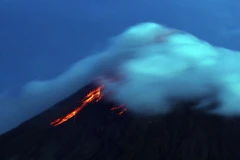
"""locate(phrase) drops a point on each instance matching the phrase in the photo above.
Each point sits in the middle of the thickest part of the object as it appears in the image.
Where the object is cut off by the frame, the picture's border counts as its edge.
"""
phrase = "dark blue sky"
(42, 38)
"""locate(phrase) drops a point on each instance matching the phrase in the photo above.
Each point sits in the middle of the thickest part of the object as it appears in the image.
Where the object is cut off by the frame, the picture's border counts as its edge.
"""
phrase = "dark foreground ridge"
(97, 133)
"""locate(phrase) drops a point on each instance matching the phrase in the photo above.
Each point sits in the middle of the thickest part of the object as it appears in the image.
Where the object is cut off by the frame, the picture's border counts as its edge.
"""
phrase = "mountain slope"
(98, 132)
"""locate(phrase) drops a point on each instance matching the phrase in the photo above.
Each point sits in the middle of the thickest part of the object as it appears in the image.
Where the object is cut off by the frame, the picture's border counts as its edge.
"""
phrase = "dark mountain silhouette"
(99, 133)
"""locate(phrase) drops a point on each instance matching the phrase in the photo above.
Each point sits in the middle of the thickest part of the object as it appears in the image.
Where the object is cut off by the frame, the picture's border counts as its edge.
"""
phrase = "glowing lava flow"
(92, 96)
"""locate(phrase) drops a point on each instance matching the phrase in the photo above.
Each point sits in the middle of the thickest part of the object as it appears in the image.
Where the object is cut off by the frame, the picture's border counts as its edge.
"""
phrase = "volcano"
(103, 130)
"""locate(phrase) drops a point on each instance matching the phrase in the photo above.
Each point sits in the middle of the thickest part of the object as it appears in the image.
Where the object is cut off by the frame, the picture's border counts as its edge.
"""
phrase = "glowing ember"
(121, 108)
(92, 96)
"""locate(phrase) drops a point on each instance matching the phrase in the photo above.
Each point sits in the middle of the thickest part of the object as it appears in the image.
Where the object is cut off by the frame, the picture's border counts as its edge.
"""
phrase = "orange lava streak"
(115, 108)
(94, 95)
(121, 112)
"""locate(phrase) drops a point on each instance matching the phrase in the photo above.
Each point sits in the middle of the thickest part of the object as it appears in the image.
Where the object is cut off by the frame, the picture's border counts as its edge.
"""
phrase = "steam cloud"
(156, 65)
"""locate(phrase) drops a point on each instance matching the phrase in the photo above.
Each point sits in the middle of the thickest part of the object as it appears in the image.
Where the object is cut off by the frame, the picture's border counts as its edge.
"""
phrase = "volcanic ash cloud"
(168, 66)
